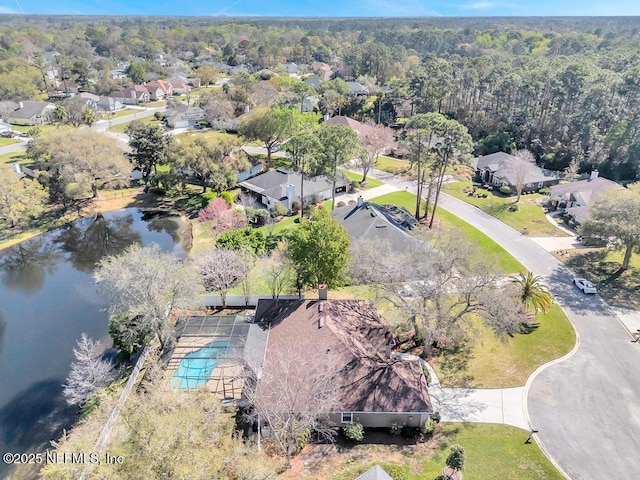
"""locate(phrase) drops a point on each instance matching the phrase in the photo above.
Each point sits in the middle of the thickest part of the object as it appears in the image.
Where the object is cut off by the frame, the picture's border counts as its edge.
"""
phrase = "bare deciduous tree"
(522, 166)
(438, 283)
(375, 139)
(221, 269)
(293, 394)
(144, 285)
(89, 373)
(278, 272)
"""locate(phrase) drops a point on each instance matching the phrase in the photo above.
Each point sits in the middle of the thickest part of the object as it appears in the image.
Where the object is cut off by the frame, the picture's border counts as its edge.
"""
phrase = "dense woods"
(566, 89)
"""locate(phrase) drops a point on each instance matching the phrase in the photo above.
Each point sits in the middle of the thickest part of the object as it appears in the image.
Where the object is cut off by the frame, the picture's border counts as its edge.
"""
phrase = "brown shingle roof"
(355, 340)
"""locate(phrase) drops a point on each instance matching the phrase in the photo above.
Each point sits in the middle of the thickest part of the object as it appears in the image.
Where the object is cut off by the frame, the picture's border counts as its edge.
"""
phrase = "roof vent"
(320, 307)
(321, 321)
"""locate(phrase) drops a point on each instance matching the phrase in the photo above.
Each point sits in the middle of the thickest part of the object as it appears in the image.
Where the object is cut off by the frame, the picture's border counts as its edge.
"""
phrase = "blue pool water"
(195, 368)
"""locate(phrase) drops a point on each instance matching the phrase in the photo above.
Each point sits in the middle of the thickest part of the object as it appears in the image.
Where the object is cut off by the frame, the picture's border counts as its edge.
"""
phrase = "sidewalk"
(491, 405)
(629, 318)
(553, 244)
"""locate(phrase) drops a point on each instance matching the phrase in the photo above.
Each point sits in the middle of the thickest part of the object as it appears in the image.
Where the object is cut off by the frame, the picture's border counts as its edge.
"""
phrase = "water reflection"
(47, 300)
(25, 266)
(90, 239)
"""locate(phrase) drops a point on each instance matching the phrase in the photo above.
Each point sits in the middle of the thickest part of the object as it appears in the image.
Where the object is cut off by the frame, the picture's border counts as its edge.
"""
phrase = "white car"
(585, 285)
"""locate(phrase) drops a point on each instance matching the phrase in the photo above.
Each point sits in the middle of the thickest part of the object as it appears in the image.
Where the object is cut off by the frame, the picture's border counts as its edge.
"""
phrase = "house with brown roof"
(359, 127)
(575, 198)
(375, 386)
(159, 89)
(179, 85)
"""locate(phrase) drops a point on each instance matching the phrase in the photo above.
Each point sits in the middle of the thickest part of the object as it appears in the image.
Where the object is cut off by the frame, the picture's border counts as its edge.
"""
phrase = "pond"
(47, 300)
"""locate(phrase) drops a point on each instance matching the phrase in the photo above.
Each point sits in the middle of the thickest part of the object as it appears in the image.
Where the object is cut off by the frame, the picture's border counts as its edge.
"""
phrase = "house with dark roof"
(356, 88)
(283, 186)
(314, 82)
(497, 170)
(575, 198)
(366, 221)
(374, 385)
(132, 95)
(31, 113)
(109, 104)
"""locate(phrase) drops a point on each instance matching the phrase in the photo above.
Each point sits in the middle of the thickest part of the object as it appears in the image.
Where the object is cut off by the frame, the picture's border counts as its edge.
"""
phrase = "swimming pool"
(195, 368)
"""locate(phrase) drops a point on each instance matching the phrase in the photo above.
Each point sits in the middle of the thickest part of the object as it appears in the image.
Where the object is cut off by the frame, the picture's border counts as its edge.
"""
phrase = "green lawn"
(120, 113)
(212, 135)
(530, 216)
(151, 120)
(13, 157)
(601, 266)
(25, 128)
(392, 165)
(492, 452)
(487, 245)
(159, 103)
(491, 362)
(356, 177)
(8, 141)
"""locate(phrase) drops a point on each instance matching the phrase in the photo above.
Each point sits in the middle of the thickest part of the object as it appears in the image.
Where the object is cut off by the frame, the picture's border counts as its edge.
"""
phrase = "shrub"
(158, 191)
(435, 416)
(228, 196)
(303, 438)
(429, 426)
(296, 205)
(355, 185)
(243, 238)
(205, 198)
(316, 198)
(514, 208)
(352, 202)
(256, 217)
(506, 189)
(213, 210)
(456, 458)
(545, 191)
(354, 431)
(396, 428)
(341, 204)
(278, 210)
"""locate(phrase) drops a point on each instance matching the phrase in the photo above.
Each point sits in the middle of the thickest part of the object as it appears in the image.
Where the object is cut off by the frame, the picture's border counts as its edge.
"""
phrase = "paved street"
(586, 406)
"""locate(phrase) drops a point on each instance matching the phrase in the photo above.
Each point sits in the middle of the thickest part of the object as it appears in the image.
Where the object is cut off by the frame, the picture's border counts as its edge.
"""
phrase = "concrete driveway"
(586, 407)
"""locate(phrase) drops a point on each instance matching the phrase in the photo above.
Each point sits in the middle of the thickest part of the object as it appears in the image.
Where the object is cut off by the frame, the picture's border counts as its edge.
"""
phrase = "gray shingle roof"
(379, 223)
(30, 109)
(501, 164)
(274, 183)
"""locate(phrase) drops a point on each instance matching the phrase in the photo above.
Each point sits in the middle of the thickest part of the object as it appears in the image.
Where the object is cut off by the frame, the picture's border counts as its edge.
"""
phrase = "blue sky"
(324, 8)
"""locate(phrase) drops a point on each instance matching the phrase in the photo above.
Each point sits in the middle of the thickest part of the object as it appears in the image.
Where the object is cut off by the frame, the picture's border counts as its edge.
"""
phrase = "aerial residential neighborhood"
(382, 243)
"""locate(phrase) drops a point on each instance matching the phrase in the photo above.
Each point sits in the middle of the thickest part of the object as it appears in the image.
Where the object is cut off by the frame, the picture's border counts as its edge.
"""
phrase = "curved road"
(586, 407)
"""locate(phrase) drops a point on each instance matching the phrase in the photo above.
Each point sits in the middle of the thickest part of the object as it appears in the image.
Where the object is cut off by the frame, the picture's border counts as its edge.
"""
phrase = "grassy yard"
(392, 165)
(407, 200)
(491, 362)
(530, 215)
(159, 103)
(212, 135)
(8, 141)
(356, 177)
(13, 157)
(123, 126)
(492, 452)
(120, 113)
(25, 128)
(601, 265)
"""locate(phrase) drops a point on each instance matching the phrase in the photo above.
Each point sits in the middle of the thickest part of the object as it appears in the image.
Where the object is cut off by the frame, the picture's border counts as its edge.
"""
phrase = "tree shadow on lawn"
(453, 363)
(618, 287)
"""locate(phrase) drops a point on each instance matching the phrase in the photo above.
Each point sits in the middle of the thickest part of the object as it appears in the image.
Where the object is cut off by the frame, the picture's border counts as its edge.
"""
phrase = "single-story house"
(356, 88)
(375, 386)
(92, 100)
(323, 69)
(292, 69)
(314, 82)
(366, 221)
(575, 198)
(497, 170)
(179, 85)
(184, 116)
(132, 95)
(362, 129)
(109, 104)
(31, 113)
(159, 89)
(283, 186)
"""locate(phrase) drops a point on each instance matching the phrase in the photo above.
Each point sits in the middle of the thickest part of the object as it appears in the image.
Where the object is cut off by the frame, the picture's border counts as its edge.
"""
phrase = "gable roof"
(165, 86)
(30, 109)
(184, 112)
(313, 81)
(375, 473)
(349, 333)
(274, 184)
(359, 127)
(379, 223)
(357, 88)
(501, 164)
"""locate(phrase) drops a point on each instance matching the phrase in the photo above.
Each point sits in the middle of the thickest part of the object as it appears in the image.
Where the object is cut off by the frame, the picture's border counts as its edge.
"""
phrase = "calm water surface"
(47, 299)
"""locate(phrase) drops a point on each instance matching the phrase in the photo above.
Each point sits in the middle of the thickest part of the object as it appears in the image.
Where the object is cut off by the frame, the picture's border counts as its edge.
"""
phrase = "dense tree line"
(564, 88)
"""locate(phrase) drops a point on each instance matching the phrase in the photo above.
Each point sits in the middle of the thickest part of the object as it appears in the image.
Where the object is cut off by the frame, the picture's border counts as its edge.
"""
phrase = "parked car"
(585, 285)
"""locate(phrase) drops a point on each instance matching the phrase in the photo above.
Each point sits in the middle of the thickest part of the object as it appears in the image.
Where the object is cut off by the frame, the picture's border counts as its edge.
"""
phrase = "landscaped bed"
(528, 217)
(492, 452)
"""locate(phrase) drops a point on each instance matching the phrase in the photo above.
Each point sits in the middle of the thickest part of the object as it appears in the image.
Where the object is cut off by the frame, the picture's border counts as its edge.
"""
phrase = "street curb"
(527, 385)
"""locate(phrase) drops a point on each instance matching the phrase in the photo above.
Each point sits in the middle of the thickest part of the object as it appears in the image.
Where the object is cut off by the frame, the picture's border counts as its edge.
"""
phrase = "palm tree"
(534, 294)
